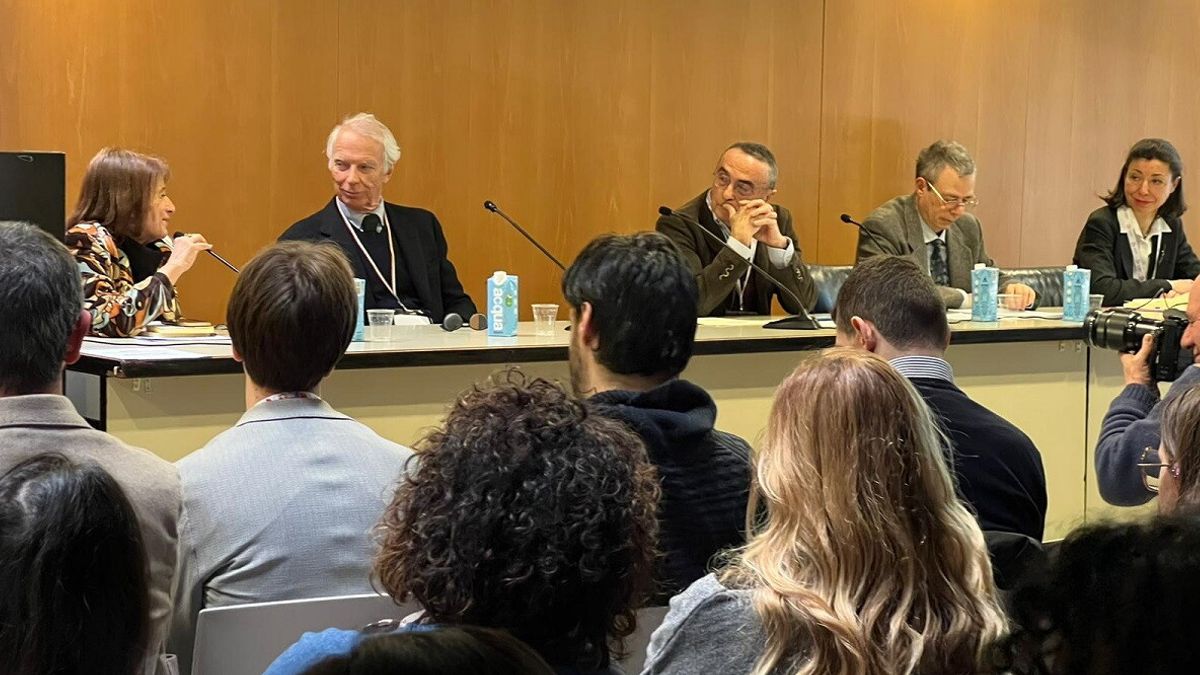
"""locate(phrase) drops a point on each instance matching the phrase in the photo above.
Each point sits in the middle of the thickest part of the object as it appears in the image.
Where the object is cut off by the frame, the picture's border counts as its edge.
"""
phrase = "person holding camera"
(1127, 457)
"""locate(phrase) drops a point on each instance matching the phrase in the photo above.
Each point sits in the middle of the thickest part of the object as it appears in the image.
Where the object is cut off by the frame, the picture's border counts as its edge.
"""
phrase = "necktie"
(937, 263)
(372, 223)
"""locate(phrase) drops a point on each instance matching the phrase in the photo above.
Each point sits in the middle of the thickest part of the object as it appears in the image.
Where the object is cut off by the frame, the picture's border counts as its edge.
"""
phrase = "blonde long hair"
(865, 562)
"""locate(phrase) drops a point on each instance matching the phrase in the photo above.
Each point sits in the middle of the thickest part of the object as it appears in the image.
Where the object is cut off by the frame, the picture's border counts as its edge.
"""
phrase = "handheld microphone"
(491, 206)
(800, 321)
(863, 228)
(213, 254)
(452, 322)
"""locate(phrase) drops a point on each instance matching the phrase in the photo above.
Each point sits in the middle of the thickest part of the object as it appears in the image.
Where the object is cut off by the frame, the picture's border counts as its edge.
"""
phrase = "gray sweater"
(709, 629)
(1131, 425)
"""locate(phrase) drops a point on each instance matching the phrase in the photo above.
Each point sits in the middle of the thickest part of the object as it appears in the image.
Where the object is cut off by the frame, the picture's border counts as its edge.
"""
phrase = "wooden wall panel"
(580, 118)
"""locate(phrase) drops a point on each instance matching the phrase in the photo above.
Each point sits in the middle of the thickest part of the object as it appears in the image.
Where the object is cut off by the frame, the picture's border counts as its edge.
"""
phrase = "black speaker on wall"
(33, 189)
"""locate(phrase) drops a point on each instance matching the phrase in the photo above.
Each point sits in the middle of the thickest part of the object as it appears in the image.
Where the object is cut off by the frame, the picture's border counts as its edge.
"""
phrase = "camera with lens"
(1123, 329)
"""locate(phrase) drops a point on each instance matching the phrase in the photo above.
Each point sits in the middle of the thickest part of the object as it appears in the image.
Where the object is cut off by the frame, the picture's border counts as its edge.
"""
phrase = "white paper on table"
(136, 352)
(161, 340)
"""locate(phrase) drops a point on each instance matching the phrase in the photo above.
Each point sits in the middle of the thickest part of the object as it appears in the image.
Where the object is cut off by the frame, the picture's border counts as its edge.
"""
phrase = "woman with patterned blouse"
(118, 234)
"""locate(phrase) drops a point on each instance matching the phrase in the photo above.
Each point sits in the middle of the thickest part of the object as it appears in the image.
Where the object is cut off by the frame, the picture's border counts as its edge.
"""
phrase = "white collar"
(1129, 224)
(930, 235)
(356, 217)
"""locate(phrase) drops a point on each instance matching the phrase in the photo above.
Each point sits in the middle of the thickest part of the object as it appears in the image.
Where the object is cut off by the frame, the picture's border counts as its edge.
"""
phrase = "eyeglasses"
(742, 188)
(1152, 470)
(954, 202)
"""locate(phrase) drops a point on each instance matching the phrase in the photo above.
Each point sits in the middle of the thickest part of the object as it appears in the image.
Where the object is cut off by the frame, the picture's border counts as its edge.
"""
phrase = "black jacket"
(704, 473)
(420, 247)
(998, 467)
(1105, 251)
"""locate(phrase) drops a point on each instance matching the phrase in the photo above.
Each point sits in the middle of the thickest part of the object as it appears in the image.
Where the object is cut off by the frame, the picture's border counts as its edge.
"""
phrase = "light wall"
(582, 117)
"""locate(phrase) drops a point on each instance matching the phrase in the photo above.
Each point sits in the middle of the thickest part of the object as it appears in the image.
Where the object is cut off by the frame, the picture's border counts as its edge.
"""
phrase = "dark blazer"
(718, 267)
(998, 468)
(896, 226)
(421, 246)
(1105, 251)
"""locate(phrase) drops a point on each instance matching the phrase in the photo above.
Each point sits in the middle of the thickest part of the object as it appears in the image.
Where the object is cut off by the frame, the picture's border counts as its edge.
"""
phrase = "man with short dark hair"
(890, 307)
(934, 228)
(633, 321)
(737, 209)
(42, 325)
(281, 506)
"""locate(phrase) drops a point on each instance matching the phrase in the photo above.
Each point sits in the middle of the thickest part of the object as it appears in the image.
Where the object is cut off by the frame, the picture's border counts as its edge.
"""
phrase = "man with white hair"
(399, 250)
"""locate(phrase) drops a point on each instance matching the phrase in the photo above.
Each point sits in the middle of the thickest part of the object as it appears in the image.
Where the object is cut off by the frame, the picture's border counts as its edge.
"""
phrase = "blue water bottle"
(985, 282)
(502, 305)
(360, 288)
(1077, 283)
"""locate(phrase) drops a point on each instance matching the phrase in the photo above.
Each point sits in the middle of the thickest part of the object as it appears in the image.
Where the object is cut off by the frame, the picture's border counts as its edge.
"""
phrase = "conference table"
(173, 397)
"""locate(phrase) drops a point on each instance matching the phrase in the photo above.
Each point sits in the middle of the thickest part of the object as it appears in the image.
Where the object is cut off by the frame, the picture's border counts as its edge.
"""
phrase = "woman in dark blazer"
(1135, 245)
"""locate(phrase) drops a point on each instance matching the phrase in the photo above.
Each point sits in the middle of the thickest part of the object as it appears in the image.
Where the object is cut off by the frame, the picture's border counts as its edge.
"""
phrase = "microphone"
(862, 228)
(212, 253)
(799, 321)
(452, 322)
(478, 322)
(491, 206)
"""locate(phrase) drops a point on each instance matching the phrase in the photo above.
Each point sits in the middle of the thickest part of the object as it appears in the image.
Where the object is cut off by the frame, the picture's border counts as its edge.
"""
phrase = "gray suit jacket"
(35, 424)
(896, 227)
(280, 507)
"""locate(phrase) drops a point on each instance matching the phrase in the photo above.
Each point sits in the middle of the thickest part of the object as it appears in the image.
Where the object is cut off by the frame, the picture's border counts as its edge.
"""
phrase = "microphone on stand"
(798, 321)
(452, 322)
(491, 206)
(212, 253)
(863, 228)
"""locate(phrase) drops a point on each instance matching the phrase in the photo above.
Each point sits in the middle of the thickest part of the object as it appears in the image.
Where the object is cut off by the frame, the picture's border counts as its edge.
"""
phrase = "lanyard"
(391, 288)
(288, 395)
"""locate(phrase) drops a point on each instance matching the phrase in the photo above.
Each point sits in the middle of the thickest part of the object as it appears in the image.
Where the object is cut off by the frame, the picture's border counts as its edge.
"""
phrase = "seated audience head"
(1179, 453)
(126, 192)
(528, 513)
(362, 153)
(446, 650)
(73, 579)
(1151, 180)
(864, 562)
(42, 320)
(945, 184)
(633, 312)
(1116, 599)
(292, 314)
(889, 306)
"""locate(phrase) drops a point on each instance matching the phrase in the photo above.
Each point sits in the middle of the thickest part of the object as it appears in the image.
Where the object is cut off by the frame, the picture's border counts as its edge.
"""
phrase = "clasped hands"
(754, 219)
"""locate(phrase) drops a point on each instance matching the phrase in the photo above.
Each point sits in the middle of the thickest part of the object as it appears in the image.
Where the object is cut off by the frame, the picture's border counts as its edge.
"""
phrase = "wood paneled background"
(582, 117)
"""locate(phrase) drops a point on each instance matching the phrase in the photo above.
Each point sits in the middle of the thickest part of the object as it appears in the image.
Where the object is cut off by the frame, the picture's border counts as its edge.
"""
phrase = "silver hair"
(763, 154)
(367, 125)
(944, 154)
(41, 295)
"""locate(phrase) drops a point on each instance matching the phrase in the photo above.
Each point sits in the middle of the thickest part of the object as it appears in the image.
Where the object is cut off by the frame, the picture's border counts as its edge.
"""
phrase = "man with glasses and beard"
(737, 209)
(934, 228)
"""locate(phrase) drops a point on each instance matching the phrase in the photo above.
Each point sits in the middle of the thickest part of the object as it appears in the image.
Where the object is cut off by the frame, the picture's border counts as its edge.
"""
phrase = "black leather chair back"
(829, 280)
(1045, 281)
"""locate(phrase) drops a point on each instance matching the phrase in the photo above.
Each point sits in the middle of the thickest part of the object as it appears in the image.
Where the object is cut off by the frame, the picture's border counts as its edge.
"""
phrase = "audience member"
(281, 506)
(737, 209)
(73, 577)
(933, 227)
(1117, 600)
(1178, 473)
(42, 325)
(447, 650)
(120, 235)
(862, 560)
(1127, 451)
(633, 319)
(526, 513)
(1135, 244)
(889, 306)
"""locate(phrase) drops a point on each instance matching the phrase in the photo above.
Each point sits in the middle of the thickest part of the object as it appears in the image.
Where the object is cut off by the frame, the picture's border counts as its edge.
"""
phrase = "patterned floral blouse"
(119, 307)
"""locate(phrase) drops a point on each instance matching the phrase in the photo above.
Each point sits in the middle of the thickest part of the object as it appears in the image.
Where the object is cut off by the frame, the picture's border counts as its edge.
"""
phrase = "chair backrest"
(828, 279)
(1045, 281)
(648, 620)
(245, 639)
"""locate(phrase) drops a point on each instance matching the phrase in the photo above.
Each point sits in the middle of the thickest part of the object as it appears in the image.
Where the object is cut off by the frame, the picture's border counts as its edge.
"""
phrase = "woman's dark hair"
(445, 650)
(73, 594)
(526, 512)
(1163, 151)
(1117, 598)
(118, 191)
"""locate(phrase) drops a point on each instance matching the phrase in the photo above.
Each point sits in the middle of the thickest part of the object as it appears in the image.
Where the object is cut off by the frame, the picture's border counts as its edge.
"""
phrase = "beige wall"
(582, 117)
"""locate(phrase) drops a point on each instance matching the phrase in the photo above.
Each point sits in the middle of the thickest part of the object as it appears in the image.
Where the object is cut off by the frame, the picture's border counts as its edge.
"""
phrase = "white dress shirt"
(1141, 244)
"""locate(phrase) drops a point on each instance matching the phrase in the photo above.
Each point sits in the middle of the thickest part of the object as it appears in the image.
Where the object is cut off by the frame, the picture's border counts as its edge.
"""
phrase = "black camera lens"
(1118, 329)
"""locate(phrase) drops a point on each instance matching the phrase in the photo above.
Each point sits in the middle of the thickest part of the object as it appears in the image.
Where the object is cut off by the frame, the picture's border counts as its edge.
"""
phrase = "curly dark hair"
(1118, 598)
(526, 512)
